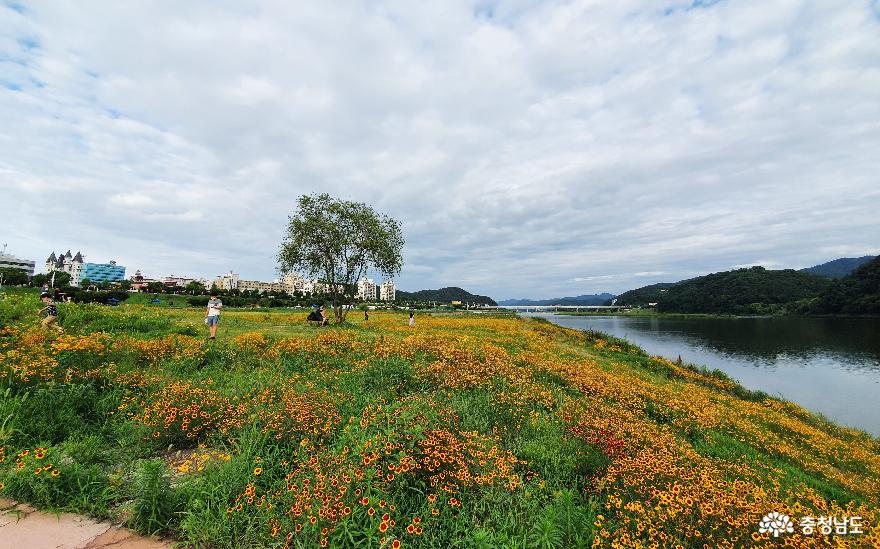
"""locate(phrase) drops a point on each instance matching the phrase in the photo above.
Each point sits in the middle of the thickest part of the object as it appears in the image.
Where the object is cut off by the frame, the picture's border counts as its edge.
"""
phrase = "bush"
(155, 502)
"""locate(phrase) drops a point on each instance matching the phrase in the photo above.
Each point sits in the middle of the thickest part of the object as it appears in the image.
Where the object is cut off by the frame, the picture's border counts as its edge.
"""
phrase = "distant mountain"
(839, 268)
(858, 293)
(594, 299)
(444, 295)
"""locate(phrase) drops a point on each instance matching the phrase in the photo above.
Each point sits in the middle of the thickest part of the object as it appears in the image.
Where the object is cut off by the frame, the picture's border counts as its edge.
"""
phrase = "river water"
(828, 365)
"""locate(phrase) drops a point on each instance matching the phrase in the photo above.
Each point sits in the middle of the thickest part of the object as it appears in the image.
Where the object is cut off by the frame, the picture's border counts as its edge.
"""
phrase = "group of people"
(212, 314)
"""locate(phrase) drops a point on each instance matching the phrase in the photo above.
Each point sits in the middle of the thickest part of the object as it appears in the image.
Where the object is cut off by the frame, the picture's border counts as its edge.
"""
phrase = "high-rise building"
(387, 291)
(8, 261)
(366, 289)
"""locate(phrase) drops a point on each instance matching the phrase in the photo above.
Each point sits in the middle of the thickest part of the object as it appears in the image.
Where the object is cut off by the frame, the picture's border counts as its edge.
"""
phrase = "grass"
(465, 431)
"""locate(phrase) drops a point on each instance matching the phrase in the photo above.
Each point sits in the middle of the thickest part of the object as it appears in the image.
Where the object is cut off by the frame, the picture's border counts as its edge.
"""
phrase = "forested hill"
(755, 290)
(858, 293)
(839, 268)
(444, 295)
(641, 297)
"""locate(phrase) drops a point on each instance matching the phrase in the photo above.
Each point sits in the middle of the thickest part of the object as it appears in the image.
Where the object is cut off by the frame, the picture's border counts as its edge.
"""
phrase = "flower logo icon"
(776, 523)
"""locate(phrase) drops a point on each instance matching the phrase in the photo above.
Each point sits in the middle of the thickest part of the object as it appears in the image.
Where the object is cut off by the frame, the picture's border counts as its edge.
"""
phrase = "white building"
(232, 281)
(64, 263)
(386, 291)
(366, 289)
(8, 261)
(227, 281)
(261, 287)
(172, 281)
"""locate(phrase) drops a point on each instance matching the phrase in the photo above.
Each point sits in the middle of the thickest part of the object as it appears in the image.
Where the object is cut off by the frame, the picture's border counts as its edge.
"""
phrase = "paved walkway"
(23, 527)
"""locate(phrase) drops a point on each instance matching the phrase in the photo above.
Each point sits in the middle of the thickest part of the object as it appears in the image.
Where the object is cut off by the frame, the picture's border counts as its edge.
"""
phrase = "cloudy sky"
(529, 149)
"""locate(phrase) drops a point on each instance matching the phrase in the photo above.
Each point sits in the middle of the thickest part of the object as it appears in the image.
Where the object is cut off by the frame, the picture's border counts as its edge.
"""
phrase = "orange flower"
(383, 527)
(395, 544)
(258, 470)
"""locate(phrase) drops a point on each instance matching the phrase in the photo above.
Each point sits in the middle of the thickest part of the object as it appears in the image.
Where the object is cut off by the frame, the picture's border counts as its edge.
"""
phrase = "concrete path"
(23, 527)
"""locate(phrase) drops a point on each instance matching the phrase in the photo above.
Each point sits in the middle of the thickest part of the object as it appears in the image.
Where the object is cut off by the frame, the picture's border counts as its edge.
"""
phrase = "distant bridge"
(570, 308)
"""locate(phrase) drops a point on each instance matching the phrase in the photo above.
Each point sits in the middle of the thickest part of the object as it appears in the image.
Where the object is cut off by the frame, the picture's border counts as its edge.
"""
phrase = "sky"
(528, 149)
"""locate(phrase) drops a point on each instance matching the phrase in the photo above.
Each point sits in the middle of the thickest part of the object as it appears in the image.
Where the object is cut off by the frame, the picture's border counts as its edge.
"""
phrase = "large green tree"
(337, 242)
(61, 279)
(13, 277)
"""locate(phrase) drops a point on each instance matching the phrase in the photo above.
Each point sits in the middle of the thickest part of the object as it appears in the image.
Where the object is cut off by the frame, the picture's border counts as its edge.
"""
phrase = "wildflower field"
(463, 431)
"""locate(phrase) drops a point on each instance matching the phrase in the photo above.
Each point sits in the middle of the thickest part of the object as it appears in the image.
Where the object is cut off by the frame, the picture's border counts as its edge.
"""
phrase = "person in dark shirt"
(51, 313)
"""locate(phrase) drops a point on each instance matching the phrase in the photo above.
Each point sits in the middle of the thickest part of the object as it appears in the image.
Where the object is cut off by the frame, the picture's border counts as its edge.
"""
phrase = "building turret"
(52, 258)
(78, 258)
(68, 255)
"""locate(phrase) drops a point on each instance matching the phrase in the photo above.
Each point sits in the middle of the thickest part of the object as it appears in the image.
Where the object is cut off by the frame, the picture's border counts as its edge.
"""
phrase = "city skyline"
(528, 149)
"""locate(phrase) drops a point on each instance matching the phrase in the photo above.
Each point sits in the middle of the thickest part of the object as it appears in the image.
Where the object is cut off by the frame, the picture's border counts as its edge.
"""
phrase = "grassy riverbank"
(470, 430)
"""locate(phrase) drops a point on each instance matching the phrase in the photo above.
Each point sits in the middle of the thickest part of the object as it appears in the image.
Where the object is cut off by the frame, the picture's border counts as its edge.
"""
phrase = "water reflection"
(830, 365)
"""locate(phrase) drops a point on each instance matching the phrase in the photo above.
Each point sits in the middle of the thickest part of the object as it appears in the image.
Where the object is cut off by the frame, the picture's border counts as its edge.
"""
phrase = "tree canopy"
(13, 277)
(444, 295)
(858, 293)
(337, 242)
(755, 290)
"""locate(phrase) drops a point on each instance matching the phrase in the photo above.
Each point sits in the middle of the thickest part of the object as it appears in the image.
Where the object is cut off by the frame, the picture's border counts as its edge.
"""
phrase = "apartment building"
(367, 290)
(387, 291)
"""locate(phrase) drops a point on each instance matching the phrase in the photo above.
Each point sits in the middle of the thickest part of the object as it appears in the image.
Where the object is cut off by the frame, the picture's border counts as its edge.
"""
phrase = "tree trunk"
(339, 314)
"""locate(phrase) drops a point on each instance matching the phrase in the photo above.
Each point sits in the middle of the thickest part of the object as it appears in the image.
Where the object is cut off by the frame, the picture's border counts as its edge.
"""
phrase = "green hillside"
(444, 295)
(858, 293)
(755, 290)
(644, 295)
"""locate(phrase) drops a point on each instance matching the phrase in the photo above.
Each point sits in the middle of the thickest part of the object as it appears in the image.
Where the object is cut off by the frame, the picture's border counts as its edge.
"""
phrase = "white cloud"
(528, 148)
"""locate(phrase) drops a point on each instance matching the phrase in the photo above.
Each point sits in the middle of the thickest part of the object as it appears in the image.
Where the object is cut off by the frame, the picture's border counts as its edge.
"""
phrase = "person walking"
(412, 319)
(366, 316)
(51, 313)
(213, 314)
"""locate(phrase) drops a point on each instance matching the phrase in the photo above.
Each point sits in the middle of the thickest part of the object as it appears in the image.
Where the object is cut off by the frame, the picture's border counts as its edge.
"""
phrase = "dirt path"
(23, 527)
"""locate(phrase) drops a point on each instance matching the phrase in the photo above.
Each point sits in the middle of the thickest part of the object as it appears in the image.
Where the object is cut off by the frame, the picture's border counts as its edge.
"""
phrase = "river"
(827, 365)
